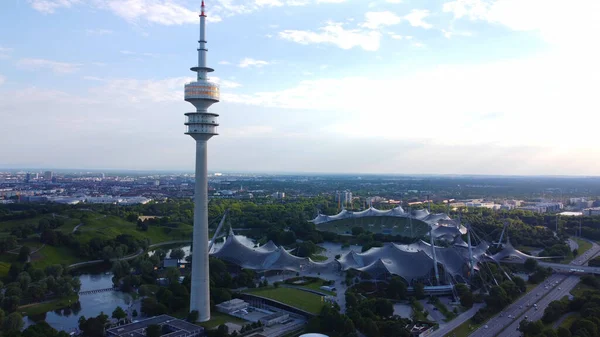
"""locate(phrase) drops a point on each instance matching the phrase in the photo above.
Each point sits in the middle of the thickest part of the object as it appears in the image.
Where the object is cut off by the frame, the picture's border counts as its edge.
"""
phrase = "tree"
(119, 313)
(153, 330)
(467, 299)
(193, 316)
(419, 290)
(177, 253)
(13, 322)
(134, 313)
(24, 253)
(563, 332)
(530, 264)
(461, 289)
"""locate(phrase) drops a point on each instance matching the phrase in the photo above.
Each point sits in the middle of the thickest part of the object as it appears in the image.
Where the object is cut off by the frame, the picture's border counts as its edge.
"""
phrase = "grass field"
(5, 262)
(50, 255)
(569, 321)
(316, 286)
(580, 289)
(111, 226)
(40, 308)
(218, 318)
(70, 223)
(318, 258)
(377, 224)
(293, 297)
(584, 245)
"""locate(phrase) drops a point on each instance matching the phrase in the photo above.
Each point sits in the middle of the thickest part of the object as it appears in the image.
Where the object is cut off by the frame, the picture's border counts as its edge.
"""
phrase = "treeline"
(27, 284)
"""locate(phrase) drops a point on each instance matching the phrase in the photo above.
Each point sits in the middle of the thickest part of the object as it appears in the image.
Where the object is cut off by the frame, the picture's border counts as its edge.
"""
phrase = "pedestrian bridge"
(95, 291)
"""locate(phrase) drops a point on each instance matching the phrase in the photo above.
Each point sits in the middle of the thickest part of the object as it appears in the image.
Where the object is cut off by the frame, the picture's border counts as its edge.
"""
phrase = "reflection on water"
(89, 305)
(92, 305)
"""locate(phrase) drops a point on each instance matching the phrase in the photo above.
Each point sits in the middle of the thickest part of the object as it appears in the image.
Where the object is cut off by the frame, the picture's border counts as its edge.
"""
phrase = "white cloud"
(334, 33)
(56, 67)
(98, 32)
(563, 23)
(396, 36)
(2, 79)
(225, 84)
(375, 20)
(451, 32)
(416, 18)
(270, 3)
(534, 96)
(250, 62)
(5, 52)
(50, 6)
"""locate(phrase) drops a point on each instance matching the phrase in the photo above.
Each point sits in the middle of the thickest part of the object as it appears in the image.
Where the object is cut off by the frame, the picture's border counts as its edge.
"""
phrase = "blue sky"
(389, 86)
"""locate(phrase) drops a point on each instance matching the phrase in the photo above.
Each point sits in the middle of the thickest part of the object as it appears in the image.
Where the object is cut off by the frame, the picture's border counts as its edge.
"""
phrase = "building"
(201, 125)
(591, 211)
(343, 197)
(232, 305)
(275, 318)
(278, 195)
(172, 327)
(48, 175)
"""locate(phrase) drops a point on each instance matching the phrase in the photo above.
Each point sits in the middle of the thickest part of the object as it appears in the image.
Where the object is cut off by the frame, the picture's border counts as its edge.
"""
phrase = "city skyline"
(441, 87)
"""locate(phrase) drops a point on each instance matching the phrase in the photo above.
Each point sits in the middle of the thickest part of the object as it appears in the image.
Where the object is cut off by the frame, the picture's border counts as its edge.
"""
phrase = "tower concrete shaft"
(201, 125)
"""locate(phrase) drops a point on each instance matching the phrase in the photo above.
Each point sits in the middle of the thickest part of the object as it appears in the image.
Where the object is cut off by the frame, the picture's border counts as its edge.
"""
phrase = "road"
(504, 326)
(555, 294)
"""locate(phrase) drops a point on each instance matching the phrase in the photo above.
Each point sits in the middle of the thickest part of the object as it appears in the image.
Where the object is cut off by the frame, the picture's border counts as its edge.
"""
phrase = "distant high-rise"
(201, 125)
(27, 177)
(48, 175)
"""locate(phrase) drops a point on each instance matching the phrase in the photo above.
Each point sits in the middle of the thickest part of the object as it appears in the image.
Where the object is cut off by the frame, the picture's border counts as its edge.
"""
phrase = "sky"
(334, 86)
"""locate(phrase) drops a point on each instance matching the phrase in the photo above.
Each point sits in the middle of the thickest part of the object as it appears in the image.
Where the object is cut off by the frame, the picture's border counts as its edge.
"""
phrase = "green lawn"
(5, 261)
(584, 245)
(40, 308)
(70, 223)
(464, 329)
(218, 318)
(376, 224)
(317, 286)
(50, 255)
(296, 298)
(111, 226)
(318, 258)
(580, 289)
(569, 321)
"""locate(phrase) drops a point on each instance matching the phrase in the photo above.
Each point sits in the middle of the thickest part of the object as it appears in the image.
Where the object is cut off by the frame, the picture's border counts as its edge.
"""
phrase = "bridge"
(570, 268)
(95, 291)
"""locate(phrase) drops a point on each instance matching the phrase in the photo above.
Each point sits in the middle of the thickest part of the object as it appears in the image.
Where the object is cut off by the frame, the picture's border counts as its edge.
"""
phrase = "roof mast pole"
(435, 266)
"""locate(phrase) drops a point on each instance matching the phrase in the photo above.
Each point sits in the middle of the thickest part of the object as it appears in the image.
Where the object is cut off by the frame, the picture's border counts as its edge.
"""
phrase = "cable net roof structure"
(441, 224)
(269, 257)
(413, 262)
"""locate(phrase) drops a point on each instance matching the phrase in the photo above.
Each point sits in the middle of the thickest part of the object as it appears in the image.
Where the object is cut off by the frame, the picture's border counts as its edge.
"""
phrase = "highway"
(502, 325)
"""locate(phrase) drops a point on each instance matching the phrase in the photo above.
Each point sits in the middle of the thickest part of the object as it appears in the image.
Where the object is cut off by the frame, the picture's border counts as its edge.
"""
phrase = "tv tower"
(201, 125)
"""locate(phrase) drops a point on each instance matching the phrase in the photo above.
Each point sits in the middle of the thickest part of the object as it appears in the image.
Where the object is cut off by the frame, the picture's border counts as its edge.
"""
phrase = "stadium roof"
(442, 225)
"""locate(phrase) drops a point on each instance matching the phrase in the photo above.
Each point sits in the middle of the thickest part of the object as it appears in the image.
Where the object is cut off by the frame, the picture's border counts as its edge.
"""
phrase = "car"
(434, 308)
(558, 288)
(485, 326)
(520, 307)
(510, 316)
(526, 317)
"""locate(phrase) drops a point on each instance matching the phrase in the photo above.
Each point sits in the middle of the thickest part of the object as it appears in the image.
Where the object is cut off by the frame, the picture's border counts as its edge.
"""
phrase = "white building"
(343, 197)
(591, 211)
(275, 318)
(232, 305)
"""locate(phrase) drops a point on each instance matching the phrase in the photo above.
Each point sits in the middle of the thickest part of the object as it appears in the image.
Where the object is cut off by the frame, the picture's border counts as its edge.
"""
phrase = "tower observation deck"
(201, 125)
(202, 93)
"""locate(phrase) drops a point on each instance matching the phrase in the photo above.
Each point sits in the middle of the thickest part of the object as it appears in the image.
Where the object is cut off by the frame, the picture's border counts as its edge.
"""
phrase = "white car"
(485, 326)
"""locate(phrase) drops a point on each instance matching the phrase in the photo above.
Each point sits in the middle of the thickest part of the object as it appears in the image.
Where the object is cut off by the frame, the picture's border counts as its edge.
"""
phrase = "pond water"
(89, 305)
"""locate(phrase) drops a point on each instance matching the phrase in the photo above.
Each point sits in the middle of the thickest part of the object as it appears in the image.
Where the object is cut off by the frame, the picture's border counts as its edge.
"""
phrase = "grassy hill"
(377, 224)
